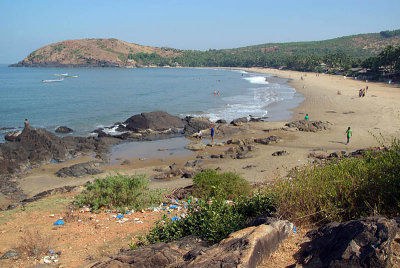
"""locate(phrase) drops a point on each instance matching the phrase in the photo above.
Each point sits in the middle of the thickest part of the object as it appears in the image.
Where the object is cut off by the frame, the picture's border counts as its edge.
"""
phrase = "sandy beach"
(327, 98)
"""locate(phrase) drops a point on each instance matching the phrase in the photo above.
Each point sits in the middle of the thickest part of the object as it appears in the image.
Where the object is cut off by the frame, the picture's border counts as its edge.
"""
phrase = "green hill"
(346, 50)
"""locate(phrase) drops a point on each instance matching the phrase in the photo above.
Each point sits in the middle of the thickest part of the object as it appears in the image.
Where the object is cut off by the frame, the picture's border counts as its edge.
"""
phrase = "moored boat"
(51, 81)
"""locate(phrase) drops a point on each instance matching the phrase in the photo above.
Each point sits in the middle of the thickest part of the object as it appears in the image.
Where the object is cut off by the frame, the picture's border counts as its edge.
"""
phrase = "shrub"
(227, 185)
(213, 221)
(33, 243)
(119, 191)
(343, 190)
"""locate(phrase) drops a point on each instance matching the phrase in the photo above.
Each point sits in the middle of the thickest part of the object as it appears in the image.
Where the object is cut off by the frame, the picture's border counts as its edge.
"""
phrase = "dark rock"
(249, 166)
(221, 121)
(239, 121)
(194, 124)
(338, 154)
(359, 243)
(308, 126)
(64, 129)
(214, 156)
(80, 170)
(280, 153)
(12, 135)
(9, 255)
(268, 140)
(157, 120)
(193, 163)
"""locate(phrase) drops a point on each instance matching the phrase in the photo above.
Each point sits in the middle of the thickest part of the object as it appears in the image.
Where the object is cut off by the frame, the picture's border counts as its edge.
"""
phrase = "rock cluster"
(80, 170)
(358, 243)
(244, 248)
(308, 126)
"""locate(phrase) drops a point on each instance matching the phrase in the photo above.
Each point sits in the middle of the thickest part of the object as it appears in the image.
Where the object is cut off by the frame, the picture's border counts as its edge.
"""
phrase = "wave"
(257, 80)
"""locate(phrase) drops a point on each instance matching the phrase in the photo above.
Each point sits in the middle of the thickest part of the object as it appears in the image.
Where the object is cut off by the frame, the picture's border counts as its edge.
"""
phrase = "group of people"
(362, 92)
(199, 135)
(216, 93)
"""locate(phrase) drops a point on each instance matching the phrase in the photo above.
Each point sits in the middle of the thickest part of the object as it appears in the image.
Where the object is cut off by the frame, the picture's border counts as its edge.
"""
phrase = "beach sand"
(327, 98)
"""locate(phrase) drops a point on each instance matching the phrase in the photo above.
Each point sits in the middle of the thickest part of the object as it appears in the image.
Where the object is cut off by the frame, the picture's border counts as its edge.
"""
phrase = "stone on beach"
(196, 146)
(157, 120)
(309, 126)
(12, 135)
(64, 129)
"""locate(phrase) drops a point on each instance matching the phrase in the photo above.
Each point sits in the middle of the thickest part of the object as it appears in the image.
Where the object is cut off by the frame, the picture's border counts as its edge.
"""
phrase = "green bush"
(227, 185)
(119, 191)
(213, 221)
(342, 190)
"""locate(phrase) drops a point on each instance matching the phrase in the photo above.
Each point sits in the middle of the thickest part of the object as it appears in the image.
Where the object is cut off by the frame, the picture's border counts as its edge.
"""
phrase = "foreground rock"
(309, 126)
(358, 243)
(196, 146)
(80, 170)
(244, 248)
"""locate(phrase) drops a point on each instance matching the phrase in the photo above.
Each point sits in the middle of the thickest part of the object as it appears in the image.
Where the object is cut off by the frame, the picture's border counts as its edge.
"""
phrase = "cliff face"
(90, 53)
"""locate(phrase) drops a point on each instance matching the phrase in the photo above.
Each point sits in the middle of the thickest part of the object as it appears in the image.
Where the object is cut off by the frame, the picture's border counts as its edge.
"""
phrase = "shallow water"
(100, 97)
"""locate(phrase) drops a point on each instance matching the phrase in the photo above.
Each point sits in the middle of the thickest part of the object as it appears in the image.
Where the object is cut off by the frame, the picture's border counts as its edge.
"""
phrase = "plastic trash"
(173, 207)
(59, 222)
(51, 252)
(175, 219)
(120, 216)
(294, 229)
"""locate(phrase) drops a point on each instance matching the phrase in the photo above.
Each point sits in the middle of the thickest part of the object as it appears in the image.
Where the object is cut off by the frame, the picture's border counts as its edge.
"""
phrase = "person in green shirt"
(306, 117)
(349, 133)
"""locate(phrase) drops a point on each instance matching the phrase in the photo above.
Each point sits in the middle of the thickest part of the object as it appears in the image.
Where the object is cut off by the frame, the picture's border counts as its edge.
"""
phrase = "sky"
(187, 24)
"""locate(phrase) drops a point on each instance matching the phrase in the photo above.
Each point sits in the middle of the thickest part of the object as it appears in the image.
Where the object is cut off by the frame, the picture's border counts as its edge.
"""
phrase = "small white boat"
(66, 74)
(52, 81)
(72, 76)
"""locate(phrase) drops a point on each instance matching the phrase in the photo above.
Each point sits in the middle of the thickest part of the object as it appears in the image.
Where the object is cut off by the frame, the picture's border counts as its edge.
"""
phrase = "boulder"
(221, 121)
(308, 126)
(157, 120)
(193, 163)
(280, 153)
(196, 146)
(12, 135)
(358, 243)
(64, 129)
(239, 121)
(194, 124)
(80, 170)
(268, 140)
(245, 248)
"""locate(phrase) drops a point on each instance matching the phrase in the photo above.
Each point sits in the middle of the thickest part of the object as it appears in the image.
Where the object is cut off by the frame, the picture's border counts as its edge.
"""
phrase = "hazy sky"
(187, 24)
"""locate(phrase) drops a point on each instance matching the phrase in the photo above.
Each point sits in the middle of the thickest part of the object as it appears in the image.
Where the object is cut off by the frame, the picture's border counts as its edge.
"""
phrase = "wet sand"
(326, 98)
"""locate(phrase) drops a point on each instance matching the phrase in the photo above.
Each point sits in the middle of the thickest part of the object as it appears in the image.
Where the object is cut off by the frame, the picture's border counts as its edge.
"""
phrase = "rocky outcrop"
(268, 140)
(239, 121)
(308, 126)
(12, 135)
(196, 146)
(244, 248)
(194, 124)
(280, 153)
(64, 129)
(80, 170)
(157, 121)
(359, 243)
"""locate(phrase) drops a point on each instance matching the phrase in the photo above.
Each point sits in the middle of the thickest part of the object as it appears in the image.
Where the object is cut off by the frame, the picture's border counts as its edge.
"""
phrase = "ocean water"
(100, 97)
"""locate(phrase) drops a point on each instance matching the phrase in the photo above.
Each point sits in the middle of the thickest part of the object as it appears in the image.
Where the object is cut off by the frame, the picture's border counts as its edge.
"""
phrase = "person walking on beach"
(26, 123)
(349, 133)
(212, 133)
(306, 117)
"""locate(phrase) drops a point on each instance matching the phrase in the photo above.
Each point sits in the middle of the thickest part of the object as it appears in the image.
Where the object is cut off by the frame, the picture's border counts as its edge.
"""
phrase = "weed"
(119, 192)
(227, 185)
(33, 244)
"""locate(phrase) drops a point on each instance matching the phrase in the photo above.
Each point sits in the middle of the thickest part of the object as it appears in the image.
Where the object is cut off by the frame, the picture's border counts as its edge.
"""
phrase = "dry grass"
(33, 243)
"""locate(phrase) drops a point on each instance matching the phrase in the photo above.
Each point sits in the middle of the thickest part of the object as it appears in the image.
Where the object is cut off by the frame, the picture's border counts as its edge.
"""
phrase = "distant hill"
(360, 46)
(117, 53)
(91, 52)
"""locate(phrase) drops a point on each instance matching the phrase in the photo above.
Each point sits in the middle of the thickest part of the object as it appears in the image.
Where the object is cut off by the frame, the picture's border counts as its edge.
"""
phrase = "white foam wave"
(257, 80)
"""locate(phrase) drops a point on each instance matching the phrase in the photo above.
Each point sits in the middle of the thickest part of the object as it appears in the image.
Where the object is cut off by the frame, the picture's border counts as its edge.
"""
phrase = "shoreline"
(321, 101)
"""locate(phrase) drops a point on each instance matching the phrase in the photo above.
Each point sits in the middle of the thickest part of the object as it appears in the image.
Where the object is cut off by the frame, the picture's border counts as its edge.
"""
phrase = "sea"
(99, 97)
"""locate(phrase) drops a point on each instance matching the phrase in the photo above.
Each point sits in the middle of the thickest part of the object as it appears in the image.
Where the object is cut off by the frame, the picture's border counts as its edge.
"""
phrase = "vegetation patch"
(119, 192)
(212, 220)
(226, 185)
(342, 190)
